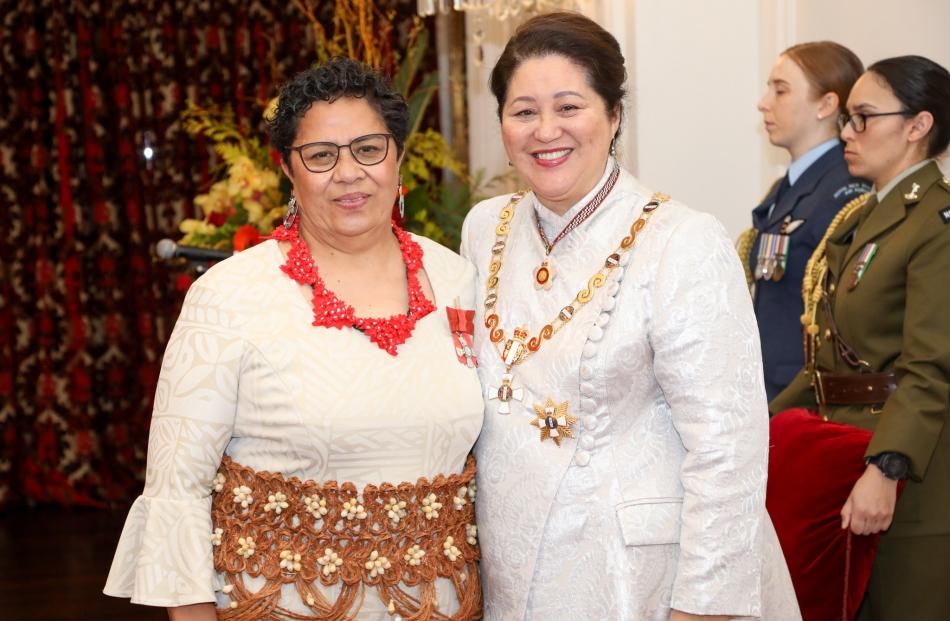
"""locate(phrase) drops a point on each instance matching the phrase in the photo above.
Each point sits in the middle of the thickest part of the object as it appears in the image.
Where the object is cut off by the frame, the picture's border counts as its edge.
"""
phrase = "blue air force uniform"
(787, 227)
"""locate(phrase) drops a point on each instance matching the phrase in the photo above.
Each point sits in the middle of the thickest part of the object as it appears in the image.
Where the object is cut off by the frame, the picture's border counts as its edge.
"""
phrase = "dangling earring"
(402, 201)
(291, 216)
(613, 148)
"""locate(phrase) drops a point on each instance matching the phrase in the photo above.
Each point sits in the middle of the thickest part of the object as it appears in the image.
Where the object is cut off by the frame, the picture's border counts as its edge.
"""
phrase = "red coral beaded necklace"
(331, 312)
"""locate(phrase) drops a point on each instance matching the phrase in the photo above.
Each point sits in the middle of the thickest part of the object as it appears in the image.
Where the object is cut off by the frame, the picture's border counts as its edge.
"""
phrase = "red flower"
(245, 237)
(217, 218)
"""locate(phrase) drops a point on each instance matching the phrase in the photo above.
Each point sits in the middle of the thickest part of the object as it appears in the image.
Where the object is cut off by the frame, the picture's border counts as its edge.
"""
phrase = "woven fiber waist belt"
(307, 534)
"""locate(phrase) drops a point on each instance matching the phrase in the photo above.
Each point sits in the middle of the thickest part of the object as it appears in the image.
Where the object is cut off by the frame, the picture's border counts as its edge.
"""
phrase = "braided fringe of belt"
(307, 534)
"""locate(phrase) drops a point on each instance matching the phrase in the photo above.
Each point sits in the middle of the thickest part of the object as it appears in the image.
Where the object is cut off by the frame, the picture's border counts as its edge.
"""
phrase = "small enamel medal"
(512, 353)
(544, 275)
(461, 323)
(505, 394)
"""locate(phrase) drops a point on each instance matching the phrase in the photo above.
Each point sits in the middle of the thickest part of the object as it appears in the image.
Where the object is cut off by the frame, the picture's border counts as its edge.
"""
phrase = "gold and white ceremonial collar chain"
(544, 274)
(551, 418)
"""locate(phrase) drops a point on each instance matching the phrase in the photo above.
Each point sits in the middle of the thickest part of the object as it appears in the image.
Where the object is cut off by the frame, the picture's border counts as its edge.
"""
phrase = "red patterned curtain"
(84, 309)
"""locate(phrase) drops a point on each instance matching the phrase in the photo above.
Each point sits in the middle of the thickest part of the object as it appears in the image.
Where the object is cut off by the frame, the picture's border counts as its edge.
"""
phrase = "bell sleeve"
(707, 360)
(164, 555)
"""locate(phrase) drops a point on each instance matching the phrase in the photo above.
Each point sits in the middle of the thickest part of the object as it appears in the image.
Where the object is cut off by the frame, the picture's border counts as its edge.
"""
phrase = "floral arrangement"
(248, 201)
(250, 198)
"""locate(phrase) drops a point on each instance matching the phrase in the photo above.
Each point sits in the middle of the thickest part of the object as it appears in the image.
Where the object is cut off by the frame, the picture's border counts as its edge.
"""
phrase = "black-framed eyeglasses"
(368, 150)
(859, 120)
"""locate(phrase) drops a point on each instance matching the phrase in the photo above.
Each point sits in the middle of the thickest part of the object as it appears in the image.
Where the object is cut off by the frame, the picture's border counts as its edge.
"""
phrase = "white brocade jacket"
(658, 502)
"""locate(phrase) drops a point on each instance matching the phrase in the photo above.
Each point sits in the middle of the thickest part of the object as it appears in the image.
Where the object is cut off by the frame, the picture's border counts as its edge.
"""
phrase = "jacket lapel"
(806, 184)
(760, 215)
(893, 210)
(839, 243)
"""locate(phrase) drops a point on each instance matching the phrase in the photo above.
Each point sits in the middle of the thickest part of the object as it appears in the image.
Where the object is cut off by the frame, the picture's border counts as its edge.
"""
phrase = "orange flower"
(245, 237)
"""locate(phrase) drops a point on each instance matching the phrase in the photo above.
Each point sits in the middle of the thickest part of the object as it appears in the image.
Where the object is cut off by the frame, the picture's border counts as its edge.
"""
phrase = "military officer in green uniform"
(877, 325)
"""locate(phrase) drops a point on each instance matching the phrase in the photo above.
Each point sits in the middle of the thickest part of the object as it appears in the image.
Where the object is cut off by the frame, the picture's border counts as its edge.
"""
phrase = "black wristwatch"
(894, 466)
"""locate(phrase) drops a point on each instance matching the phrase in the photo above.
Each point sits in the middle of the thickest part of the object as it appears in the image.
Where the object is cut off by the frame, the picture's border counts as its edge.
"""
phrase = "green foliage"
(220, 126)
(437, 209)
(221, 239)
(409, 66)
(427, 152)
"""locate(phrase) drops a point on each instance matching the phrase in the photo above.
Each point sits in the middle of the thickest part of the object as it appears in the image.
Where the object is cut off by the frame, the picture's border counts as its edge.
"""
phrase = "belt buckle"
(819, 388)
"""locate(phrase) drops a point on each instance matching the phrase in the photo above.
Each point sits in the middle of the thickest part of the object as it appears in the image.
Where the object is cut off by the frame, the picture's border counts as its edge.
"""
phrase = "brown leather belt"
(853, 388)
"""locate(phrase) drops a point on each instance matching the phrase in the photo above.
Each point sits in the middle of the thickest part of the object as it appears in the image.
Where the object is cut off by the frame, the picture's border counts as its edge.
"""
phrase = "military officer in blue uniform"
(807, 89)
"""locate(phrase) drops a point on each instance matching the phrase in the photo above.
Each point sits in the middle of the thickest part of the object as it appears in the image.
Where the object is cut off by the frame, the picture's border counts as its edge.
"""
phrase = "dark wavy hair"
(920, 84)
(575, 37)
(338, 77)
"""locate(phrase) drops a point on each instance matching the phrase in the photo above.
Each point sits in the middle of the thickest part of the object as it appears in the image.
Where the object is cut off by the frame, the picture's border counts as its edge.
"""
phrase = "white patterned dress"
(246, 374)
(658, 501)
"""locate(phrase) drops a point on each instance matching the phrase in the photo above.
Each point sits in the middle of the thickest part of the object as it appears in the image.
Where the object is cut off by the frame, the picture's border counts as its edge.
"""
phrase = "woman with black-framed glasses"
(877, 334)
(309, 450)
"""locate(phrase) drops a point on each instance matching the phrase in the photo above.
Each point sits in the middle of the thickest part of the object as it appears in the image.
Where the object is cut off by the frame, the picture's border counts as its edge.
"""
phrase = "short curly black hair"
(338, 77)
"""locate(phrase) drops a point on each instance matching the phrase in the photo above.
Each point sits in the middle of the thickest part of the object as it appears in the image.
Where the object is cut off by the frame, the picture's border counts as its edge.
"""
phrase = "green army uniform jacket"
(897, 319)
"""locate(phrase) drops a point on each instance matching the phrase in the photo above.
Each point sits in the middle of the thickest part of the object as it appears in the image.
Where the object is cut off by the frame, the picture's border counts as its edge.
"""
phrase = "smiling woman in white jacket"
(622, 462)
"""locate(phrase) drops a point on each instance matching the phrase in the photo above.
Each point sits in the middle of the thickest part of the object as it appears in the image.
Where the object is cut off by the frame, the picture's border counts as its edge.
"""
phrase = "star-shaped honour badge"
(553, 421)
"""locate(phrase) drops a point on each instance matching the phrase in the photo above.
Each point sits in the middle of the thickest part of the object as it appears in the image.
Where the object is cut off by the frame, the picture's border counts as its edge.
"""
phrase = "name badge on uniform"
(864, 260)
